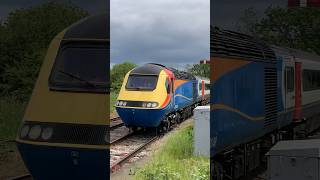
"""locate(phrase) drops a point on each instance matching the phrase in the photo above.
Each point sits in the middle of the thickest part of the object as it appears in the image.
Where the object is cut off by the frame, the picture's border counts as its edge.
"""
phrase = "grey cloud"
(162, 31)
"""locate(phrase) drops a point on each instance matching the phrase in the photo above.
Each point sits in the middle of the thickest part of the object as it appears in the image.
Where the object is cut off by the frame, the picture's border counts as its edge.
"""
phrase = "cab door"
(289, 83)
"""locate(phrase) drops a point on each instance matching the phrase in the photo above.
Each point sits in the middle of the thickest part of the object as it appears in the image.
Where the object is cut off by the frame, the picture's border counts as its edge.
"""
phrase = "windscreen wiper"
(77, 77)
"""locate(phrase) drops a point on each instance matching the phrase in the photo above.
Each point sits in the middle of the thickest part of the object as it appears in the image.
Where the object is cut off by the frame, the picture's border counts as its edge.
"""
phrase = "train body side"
(238, 108)
(170, 95)
(245, 96)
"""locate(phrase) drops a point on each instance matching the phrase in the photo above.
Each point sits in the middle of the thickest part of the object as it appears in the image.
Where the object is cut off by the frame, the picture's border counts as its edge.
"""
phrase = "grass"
(11, 114)
(175, 160)
(113, 99)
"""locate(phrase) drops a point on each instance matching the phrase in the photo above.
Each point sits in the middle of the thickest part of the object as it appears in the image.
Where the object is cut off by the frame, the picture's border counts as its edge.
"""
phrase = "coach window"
(311, 80)
(200, 87)
(289, 79)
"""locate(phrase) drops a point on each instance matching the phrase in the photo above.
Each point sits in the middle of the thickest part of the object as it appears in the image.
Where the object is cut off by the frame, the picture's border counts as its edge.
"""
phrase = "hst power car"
(64, 133)
(262, 94)
(154, 95)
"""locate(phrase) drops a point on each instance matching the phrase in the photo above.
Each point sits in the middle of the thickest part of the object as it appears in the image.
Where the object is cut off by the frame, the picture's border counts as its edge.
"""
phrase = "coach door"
(289, 85)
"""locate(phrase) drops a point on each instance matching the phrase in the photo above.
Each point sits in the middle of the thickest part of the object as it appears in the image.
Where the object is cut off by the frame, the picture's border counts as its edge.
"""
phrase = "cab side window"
(168, 86)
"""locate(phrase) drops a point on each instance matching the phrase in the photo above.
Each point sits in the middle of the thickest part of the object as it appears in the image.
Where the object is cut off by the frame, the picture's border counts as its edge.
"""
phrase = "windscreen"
(81, 67)
(142, 82)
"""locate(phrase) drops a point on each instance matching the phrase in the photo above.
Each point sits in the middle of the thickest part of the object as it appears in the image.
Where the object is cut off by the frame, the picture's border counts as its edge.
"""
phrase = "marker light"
(24, 131)
(124, 103)
(144, 104)
(35, 132)
(46, 133)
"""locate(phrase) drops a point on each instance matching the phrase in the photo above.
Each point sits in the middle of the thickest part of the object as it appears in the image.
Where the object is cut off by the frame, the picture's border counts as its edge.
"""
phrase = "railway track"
(125, 144)
(127, 148)
(115, 123)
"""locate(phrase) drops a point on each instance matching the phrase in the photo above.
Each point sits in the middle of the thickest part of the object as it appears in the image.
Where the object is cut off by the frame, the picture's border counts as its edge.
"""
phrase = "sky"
(170, 32)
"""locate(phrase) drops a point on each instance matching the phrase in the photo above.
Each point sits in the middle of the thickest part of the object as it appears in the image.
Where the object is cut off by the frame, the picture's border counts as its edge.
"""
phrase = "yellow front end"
(158, 95)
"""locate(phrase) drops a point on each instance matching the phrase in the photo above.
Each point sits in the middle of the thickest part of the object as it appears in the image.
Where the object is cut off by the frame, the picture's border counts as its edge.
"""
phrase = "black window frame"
(80, 87)
(135, 89)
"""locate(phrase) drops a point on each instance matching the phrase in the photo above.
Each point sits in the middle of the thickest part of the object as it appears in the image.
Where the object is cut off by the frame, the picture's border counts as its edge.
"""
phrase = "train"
(64, 133)
(156, 96)
(262, 94)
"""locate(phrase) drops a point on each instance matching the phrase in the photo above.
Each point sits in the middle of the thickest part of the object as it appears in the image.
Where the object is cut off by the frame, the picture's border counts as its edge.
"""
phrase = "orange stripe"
(166, 101)
(221, 66)
(178, 83)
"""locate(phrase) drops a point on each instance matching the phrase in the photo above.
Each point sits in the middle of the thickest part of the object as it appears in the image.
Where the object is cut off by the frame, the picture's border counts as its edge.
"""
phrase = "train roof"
(224, 43)
(92, 27)
(202, 78)
(299, 54)
(154, 69)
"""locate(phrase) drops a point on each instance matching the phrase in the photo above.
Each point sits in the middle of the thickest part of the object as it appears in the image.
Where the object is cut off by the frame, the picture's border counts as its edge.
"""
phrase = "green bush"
(175, 160)
(24, 39)
(117, 74)
(11, 114)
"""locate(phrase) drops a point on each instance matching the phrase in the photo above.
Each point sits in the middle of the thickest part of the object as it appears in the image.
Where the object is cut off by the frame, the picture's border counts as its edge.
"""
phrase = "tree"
(202, 70)
(24, 39)
(118, 73)
(290, 27)
(248, 22)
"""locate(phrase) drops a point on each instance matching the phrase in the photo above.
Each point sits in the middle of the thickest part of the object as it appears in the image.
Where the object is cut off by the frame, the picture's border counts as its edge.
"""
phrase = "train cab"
(64, 132)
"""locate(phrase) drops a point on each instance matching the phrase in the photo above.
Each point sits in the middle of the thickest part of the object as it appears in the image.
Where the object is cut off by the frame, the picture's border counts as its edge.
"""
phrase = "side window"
(172, 85)
(168, 86)
(311, 80)
(289, 79)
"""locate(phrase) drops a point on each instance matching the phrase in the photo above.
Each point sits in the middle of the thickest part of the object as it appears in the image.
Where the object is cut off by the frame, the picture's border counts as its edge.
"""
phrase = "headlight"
(24, 131)
(120, 103)
(154, 104)
(117, 103)
(124, 103)
(35, 132)
(149, 105)
(46, 133)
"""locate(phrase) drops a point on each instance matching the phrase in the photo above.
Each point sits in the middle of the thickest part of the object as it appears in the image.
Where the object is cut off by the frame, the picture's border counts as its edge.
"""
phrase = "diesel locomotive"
(156, 96)
(64, 132)
(262, 94)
